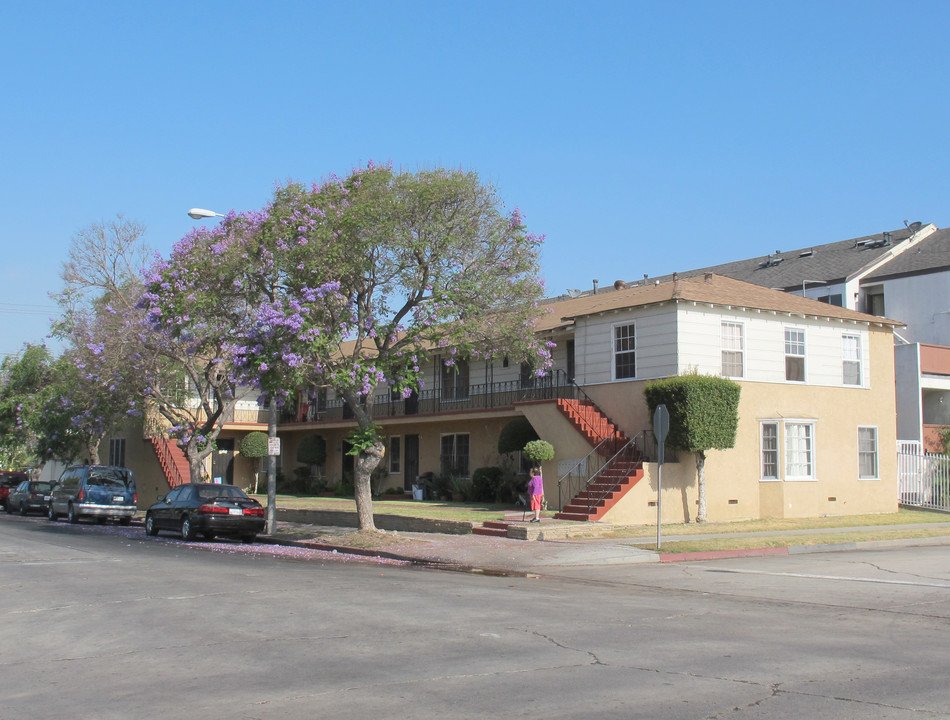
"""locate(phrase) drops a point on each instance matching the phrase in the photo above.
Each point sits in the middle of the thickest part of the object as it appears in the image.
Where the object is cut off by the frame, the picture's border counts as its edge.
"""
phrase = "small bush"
(488, 484)
(254, 444)
(538, 451)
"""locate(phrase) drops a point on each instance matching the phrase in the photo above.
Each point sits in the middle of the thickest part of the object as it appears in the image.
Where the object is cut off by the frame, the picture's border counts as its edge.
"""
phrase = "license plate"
(117, 498)
(46, 498)
(235, 511)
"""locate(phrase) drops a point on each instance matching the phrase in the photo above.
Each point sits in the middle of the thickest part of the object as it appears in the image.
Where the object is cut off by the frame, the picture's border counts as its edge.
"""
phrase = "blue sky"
(639, 137)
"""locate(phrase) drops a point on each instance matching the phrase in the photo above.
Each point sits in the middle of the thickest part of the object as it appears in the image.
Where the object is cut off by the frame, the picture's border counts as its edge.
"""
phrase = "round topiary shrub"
(538, 451)
(254, 444)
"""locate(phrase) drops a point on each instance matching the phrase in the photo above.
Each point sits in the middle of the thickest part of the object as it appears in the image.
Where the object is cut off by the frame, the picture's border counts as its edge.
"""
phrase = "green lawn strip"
(901, 517)
(435, 510)
(769, 541)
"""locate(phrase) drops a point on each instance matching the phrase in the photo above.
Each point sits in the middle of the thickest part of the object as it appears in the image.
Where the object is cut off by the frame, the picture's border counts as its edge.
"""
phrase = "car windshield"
(109, 479)
(209, 492)
(41, 487)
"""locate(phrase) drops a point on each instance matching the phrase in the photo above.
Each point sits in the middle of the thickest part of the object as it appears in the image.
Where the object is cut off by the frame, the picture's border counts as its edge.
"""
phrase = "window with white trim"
(795, 354)
(625, 351)
(787, 449)
(867, 453)
(851, 359)
(454, 454)
(799, 450)
(733, 349)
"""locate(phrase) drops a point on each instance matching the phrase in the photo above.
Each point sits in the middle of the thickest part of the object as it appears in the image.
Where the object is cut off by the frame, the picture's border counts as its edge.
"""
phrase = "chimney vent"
(709, 277)
(619, 285)
(596, 285)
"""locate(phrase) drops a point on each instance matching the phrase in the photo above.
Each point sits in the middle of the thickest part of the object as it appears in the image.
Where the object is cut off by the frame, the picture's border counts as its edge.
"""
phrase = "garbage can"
(418, 491)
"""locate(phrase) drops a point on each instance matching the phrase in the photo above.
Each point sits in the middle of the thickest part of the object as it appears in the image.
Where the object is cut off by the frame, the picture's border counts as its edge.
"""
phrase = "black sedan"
(207, 509)
(29, 496)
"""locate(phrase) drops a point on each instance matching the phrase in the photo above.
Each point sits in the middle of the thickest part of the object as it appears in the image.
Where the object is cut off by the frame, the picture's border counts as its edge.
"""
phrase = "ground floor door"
(410, 461)
(222, 462)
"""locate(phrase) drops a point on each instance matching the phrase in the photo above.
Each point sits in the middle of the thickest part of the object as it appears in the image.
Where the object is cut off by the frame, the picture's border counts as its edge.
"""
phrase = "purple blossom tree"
(363, 279)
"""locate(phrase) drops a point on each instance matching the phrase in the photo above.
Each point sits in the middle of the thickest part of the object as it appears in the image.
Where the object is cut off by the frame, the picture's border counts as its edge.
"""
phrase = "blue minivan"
(96, 491)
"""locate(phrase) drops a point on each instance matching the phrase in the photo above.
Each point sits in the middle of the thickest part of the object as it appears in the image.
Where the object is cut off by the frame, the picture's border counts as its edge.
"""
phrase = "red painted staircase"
(173, 461)
(494, 528)
(623, 470)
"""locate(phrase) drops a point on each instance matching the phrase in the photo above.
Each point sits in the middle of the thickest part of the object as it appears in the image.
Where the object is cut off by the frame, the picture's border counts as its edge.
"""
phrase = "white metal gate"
(923, 479)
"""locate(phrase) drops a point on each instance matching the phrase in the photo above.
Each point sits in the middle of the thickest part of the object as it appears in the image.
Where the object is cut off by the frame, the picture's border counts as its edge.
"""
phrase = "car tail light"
(255, 511)
(81, 495)
(135, 498)
(212, 510)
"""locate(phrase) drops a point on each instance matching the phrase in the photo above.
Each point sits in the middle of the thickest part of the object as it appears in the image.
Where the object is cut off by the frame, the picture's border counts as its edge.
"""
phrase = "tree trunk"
(92, 447)
(365, 463)
(701, 473)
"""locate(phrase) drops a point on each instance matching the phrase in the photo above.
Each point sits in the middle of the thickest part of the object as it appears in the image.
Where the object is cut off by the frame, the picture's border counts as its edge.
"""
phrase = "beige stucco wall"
(734, 488)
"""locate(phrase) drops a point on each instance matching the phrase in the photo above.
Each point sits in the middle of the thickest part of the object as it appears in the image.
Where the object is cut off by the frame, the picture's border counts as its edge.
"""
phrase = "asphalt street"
(104, 622)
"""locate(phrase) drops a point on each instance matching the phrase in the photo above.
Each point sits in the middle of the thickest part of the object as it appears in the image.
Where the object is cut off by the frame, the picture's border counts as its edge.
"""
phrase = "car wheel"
(8, 508)
(126, 521)
(150, 528)
(51, 514)
(22, 509)
(188, 531)
(248, 538)
(71, 514)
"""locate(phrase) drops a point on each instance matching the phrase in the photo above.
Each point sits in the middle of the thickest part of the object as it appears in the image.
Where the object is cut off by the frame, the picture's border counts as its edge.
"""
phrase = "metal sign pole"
(661, 426)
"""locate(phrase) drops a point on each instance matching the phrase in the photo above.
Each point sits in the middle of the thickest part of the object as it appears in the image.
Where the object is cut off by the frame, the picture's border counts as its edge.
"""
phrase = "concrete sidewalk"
(507, 556)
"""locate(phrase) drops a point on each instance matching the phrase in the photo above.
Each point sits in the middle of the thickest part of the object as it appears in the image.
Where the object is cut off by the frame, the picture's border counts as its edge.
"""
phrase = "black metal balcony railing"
(441, 400)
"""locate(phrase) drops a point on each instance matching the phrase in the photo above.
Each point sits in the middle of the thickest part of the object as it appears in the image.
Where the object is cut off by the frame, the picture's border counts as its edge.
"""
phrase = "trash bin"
(418, 491)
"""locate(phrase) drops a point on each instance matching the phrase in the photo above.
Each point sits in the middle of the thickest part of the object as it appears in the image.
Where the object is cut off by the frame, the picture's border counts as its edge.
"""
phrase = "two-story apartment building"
(817, 407)
(817, 403)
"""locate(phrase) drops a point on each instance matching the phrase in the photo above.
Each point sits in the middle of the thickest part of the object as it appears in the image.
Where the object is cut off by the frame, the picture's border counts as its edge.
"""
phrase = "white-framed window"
(453, 458)
(799, 451)
(395, 454)
(795, 354)
(851, 359)
(867, 453)
(117, 452)
(787, 449)
(769, 436)
(733, 349)
(625, 351)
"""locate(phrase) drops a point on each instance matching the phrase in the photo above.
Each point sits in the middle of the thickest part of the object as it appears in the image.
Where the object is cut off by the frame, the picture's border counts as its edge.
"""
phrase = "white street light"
(200, 213)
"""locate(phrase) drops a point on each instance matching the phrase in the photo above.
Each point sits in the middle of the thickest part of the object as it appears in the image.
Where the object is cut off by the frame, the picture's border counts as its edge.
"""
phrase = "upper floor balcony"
(446, 399)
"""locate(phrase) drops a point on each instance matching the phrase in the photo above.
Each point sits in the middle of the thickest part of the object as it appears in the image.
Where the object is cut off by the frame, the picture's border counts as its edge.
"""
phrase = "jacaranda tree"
(193, 314)
(363, 279)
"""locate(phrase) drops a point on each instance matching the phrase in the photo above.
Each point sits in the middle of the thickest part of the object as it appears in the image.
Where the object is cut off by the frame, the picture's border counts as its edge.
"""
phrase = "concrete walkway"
(507, 556)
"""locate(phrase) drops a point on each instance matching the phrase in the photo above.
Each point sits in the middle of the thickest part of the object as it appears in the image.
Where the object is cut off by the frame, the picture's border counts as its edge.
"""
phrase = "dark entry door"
(222, 462)
(410, 460)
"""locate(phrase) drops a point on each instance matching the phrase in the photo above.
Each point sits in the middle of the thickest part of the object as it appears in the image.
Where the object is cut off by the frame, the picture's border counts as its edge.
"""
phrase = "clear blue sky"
(640, 137)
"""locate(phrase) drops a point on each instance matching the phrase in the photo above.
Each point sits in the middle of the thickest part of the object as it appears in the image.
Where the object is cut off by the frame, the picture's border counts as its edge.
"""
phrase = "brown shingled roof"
(707, 289)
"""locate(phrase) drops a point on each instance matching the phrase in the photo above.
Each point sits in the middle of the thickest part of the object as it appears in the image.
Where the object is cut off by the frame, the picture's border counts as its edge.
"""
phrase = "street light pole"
(271, 526)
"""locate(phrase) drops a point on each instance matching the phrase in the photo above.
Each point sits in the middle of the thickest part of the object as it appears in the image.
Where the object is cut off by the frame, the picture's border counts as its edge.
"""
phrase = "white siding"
(692, 340)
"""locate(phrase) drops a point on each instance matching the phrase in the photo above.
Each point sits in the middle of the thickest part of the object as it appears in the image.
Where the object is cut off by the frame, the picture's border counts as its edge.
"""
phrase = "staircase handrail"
(592, 502)
(167, 461)
(583, 420)
(583, 462)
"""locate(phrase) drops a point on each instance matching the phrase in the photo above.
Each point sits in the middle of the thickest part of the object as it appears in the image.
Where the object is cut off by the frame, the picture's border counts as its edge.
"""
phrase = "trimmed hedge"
(704, 410)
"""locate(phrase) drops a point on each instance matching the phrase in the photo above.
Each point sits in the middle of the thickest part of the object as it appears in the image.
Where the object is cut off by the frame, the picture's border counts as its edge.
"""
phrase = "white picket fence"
(923, 479)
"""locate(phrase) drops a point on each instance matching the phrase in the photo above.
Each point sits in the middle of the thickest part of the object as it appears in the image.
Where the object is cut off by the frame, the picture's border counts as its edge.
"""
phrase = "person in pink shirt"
(536, 491)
